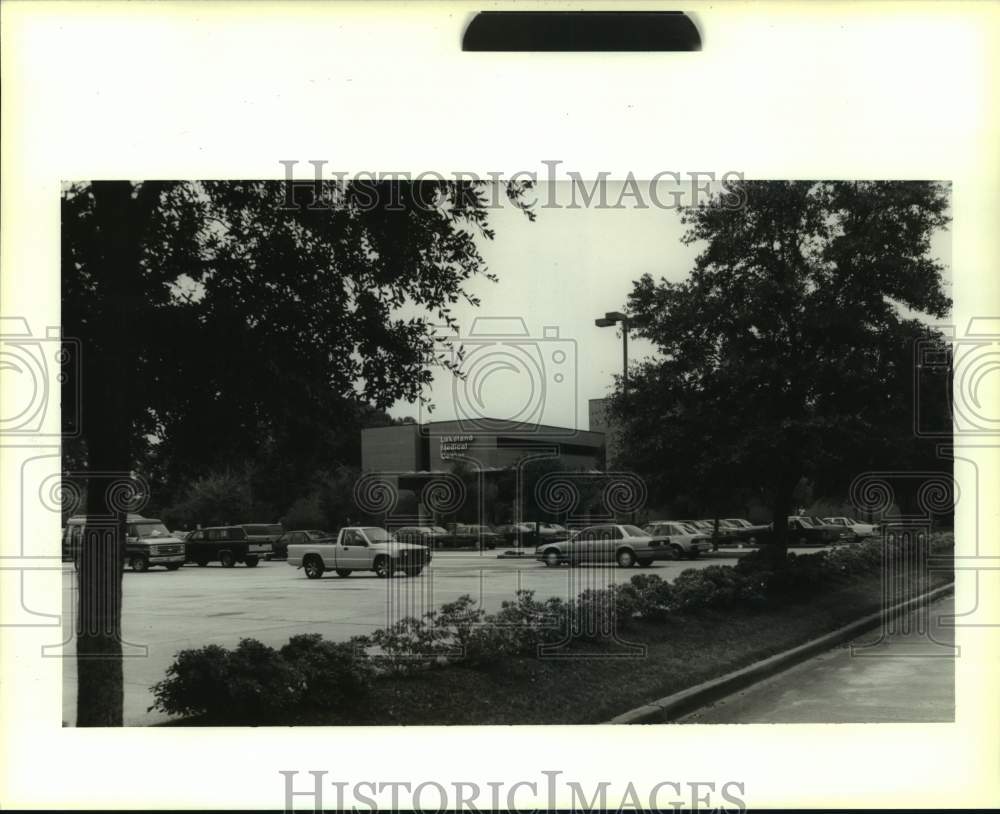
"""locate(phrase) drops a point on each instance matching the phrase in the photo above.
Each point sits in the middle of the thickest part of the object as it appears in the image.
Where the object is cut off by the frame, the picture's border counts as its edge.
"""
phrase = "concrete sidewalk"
(901, 675)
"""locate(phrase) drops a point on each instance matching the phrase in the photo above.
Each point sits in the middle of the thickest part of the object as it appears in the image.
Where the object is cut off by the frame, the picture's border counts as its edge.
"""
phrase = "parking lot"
(166, 612)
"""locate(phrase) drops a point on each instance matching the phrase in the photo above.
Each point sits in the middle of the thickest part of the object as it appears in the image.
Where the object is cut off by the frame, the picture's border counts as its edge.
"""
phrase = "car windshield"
(315, 534)
(151, 530)
(633, 531)
(377, 535)
(438, 530)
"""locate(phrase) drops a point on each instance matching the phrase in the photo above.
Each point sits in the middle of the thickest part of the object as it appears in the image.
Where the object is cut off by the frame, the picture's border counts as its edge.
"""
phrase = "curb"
(672, 707)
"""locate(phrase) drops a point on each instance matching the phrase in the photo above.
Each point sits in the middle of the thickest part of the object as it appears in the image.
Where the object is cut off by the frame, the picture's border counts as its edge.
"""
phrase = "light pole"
(609, 320)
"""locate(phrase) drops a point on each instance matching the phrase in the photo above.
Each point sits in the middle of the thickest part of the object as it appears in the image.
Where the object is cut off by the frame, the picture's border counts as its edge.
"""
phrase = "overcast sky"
(564, 270)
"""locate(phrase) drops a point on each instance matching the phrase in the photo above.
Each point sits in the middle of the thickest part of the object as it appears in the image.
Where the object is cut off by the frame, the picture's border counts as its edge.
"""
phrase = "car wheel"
(227, 559)
(138, 563)
(383, 568)
(251, 562)
(644, 563)
(626, 559)
(552, 558)
(174, 566)
(343, 572)
(677, 551)
(313, 566)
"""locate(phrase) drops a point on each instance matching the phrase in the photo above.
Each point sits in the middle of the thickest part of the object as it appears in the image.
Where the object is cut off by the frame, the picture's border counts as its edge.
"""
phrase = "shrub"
(518, 628)
(712, 587)
(251, 684)
(598, 614)
(411, 645)
(255, 684)
(653, 597)
(331, 675)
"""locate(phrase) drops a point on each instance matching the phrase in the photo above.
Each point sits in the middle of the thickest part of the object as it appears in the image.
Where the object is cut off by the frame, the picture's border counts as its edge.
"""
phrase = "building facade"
(484, 444)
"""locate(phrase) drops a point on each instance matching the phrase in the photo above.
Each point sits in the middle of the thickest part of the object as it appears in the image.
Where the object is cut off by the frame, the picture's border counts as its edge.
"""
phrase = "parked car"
(430, 536)
(707, 527)
(468, 534)
(279, 548)
(625, 544)
(530, 534)
(227, 545)
(804, 531)
(685, 539)
(268, 533)
(743, 531)
(859, 529)
(148, 543)
(359, 548)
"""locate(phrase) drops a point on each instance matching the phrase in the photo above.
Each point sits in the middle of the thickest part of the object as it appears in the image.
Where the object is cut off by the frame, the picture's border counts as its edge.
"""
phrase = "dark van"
(227, 545)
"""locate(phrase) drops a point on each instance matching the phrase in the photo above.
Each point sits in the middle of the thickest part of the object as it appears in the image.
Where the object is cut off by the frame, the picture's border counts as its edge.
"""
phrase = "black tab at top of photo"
(581, 31)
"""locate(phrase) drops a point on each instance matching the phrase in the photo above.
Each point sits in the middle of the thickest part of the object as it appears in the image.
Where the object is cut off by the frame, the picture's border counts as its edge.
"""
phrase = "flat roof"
(488, 425)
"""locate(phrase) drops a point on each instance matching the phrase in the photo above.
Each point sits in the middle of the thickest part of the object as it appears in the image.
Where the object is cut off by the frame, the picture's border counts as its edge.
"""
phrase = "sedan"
(686, 540)
(624, 544)
(804, 530)
(860, 530)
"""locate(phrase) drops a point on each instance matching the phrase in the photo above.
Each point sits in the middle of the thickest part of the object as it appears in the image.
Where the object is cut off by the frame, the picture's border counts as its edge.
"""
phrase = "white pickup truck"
(359, 548)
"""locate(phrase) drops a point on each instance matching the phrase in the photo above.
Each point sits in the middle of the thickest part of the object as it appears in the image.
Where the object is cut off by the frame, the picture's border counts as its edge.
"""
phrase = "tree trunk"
(108, 368)
(98, 631)
(776, 549)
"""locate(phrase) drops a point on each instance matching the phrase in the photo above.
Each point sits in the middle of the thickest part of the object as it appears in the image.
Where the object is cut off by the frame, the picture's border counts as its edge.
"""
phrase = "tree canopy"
(788, 351)
(263, 332)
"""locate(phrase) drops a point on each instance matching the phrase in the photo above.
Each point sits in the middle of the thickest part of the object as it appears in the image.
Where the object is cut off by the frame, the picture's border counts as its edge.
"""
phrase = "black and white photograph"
(435, 407)
(393, 460)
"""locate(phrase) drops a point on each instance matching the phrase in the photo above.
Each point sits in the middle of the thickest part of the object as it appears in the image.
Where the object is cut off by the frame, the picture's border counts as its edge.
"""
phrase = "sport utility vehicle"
(226, 544)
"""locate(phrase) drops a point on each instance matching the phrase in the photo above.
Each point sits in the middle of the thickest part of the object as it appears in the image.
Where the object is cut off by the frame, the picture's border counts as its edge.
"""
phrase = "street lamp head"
(604, 323)
(616, 316)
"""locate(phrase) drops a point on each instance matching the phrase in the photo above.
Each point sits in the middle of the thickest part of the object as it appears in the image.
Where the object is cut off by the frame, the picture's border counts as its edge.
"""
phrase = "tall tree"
(788, 351)
(217, 316)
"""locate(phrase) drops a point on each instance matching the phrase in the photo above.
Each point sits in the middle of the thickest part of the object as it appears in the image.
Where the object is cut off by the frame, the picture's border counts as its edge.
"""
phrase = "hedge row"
(257, 684)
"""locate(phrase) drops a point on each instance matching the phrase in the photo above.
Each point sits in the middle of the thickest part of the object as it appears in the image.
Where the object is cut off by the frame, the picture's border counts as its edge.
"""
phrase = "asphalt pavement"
(165, 612)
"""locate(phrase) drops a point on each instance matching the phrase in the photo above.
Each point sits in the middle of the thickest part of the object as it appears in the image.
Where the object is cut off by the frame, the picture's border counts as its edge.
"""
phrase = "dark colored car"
(430, 536)
(279, 548)
(462, 535)
(530, 534)
(227, 545)
(743, 531)
(805, 531)
(268, 533)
